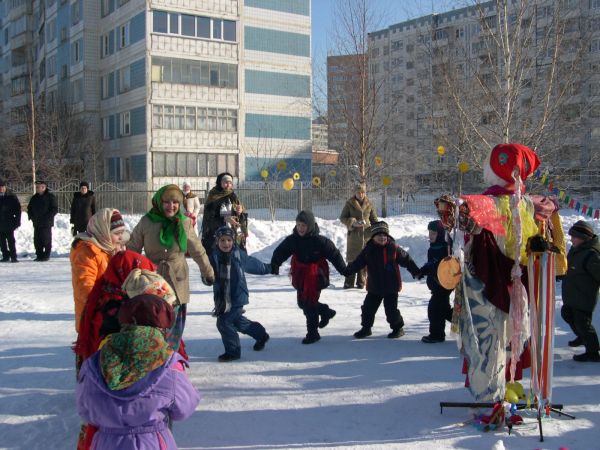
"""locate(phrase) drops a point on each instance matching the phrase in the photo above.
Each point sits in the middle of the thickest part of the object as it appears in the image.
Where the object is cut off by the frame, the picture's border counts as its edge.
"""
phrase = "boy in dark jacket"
(383, 259)
(439, 309)
(83, 207)
(231, 293)
(41, 210)
(310, 271)
(580, 289)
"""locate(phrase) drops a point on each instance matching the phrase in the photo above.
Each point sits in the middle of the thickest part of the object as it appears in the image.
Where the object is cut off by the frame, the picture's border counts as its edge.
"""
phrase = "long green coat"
(357, 237)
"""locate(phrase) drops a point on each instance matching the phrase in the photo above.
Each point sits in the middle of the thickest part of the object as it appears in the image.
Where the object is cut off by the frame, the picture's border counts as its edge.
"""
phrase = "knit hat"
(582, 230)
(41, 182)
(146, 310)
(143, 281)
(116, 221)
(379, 228)
(186, 184)
(84, 183)
(172, 193)
(308, 218)
(360, 188)
(225, 231)
(504, 158)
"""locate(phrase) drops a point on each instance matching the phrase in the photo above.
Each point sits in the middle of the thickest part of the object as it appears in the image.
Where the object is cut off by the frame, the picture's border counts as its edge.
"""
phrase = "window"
(105, 7)
(105, 45)
(105, 128)
(18, 85)
(124, 35)
(75, 13)
(104, 87)
(64, 35)
(229, 31)
(124, 79)
(173, 23)
(125, 123)
(77, 90)
(203, 27)
(188, 25)
(64, 71)
(51, 30)
(193, 164)
(43, 69)
(217, 25)
(171, 117)
(160, 22)
(157, 117)
(52, 65)
(201, 73)
(76, 52)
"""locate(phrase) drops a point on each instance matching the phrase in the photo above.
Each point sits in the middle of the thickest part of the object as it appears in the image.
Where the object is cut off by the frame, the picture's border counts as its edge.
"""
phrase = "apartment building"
(178, 89)
(409, 59)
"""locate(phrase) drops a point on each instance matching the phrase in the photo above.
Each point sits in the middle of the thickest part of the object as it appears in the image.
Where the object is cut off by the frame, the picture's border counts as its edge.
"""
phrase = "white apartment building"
(179, 89)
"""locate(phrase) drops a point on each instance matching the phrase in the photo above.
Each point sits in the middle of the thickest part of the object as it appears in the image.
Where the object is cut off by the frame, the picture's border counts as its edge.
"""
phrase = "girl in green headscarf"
(165, 234)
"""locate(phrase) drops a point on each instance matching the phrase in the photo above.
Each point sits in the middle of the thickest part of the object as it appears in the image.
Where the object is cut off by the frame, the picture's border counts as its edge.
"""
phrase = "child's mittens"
(274, 269)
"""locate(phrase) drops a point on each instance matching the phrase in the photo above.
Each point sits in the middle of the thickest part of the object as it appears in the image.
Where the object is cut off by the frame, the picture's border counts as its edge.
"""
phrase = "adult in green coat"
(358, 215)
(580, 289)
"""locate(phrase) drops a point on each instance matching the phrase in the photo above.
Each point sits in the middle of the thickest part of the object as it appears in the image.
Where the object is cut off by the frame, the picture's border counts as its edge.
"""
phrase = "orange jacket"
(88, 264)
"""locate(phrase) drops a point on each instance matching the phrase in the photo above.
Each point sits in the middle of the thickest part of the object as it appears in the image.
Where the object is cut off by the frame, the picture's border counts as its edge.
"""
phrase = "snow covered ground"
(337, 393)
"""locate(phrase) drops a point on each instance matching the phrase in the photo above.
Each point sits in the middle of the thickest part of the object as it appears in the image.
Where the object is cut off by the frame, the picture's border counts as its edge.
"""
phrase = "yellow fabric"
(558, 238)
(88, 264)
(528, 226)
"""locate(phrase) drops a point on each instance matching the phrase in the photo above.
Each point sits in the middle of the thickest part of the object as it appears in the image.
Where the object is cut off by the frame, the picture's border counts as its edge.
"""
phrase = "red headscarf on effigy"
(107, 288)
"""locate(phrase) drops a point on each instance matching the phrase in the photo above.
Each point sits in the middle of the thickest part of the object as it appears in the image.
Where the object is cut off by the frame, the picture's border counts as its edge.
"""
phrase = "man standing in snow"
(41, 210)
(10, 220)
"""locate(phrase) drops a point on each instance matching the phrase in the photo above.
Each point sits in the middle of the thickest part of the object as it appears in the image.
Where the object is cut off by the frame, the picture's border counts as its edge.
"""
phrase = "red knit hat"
(505, 157)
(116, 220)
(146, 310)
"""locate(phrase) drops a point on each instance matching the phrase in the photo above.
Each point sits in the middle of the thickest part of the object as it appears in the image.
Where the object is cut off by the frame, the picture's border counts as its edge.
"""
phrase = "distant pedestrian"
(10, 220)
(358, 215)
(383, 259)
(580, 289)
(191, 203)
(41, 211)
(310, 271)
(83, 207)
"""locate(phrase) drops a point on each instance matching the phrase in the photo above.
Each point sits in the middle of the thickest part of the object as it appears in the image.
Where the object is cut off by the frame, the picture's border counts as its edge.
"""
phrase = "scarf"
(223, 298)
(172, 227)
(98, 231)
(99, 315)
(128, 356)
(305, 278)
(217, 194)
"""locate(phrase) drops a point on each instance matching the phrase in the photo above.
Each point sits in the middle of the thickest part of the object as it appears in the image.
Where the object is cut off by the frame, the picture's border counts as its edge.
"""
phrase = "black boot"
(396, 333)
(260, 343)
(432, 339)
(326, 318)
(587, 357)
(311, 338)
(577, 342)
(362, 333)
(227, 357)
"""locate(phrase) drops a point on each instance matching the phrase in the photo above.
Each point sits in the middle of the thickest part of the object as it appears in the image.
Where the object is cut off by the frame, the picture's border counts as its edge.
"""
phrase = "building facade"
(177, 90)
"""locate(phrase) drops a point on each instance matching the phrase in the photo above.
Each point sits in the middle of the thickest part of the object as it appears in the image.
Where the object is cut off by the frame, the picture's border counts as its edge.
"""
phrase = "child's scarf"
(223, 300)
(172, 227)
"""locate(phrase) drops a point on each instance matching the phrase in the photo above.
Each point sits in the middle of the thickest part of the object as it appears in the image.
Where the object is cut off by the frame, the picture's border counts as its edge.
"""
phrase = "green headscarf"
(172, 227)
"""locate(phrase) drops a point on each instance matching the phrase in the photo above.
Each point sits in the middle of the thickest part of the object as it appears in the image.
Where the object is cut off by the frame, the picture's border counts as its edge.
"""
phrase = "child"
(310, 271)
(136, 383)
(383, 259)
(231, 293)
(439, 309)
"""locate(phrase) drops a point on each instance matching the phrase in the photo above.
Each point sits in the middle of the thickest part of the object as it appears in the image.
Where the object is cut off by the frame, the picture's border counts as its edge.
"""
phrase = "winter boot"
(396, 333)
(587, 357)
(577, 342)
(5, 259)
(311, 338)
(260, 343)
(432, 339)
(362, 333)
(227, 357)
(326, 318)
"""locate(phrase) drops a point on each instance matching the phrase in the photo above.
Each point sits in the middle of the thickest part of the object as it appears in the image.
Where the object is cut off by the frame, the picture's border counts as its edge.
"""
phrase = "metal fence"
(266, 201)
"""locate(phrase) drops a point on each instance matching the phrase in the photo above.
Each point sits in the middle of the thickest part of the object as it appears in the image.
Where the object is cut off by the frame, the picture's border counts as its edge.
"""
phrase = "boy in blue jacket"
(439, 309)
(231, 294)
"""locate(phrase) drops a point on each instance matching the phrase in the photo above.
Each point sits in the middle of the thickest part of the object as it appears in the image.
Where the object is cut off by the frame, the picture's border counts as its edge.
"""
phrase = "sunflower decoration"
(386, 181)
(296, 176)
(316, 181)
(441, 150)
(332, 173)
(281, 165)
(463, 167)
(288, 184)
(378, 161)
(264, 173)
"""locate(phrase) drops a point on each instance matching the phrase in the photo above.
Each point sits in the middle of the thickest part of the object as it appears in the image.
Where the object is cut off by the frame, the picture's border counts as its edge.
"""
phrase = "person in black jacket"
(83, 206)
(310, 272)
(383, 259)
(41, 210)
(580, 288)
(10, 220)
(439, 309)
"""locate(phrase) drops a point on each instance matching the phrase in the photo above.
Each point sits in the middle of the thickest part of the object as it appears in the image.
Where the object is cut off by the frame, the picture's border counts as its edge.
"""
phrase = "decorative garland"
(565, 199)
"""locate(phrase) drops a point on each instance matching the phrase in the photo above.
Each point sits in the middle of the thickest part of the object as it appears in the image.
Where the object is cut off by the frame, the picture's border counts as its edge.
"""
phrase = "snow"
(375, 393)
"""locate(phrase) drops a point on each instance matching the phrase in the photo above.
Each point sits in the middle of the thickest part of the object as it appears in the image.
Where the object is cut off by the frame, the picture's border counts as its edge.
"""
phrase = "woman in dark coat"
(83, 207)
(223, 207)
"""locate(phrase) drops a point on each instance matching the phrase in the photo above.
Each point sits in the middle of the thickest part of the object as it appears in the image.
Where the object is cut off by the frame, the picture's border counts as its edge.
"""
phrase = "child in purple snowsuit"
(135, 383)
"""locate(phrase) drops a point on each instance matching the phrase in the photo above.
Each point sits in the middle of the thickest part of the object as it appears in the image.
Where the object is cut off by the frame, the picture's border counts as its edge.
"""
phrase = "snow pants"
(371, 305)
(233, 321)
(581, 323)
(438, 312)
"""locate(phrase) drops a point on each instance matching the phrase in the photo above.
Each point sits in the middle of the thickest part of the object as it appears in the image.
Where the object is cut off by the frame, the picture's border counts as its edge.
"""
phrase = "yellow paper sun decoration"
(296, 176)
(281, 165)
(387, 181)
(332, 173)
(463, 167)
(264, 173)
(378, 161)
(441, 150)
(316, 181)
(288, 184)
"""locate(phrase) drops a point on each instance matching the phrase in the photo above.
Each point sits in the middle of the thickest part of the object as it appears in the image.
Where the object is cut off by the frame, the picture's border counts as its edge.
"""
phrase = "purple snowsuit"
(135, 418)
